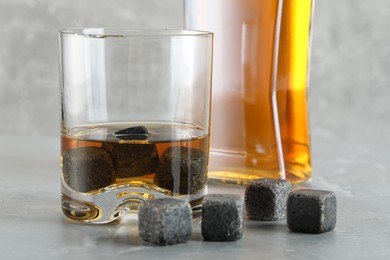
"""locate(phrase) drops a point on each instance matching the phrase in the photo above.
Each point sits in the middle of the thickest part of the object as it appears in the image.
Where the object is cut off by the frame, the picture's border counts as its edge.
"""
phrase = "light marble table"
(32, 225)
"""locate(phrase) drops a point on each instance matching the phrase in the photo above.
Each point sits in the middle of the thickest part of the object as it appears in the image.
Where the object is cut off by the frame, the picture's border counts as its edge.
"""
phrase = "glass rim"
(123, 32)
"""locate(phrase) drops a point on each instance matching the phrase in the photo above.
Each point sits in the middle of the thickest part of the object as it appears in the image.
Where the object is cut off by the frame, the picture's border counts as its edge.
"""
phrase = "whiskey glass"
(135, 119)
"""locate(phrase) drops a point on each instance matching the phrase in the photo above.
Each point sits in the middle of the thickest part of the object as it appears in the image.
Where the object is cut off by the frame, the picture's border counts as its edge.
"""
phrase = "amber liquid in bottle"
(246, 142)
(292, 79)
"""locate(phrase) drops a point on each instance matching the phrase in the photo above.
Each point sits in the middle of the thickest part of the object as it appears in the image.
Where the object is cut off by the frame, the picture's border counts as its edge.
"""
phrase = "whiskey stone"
(311, 211)
(132, 133)
(133, 160)
(165, 221)
(182, 170)
(87, 168)
(265, 199)
(222, 217)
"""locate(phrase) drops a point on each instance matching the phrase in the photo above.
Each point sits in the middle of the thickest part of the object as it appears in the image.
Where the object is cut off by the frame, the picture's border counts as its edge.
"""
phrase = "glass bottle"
(259, 122)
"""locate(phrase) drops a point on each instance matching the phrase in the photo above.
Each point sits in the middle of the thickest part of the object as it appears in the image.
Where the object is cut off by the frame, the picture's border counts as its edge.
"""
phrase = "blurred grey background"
(350, 65)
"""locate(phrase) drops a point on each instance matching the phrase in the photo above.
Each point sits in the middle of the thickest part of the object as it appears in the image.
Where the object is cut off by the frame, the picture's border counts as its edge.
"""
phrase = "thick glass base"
(240, 169)
(108, 204)
(242, 177)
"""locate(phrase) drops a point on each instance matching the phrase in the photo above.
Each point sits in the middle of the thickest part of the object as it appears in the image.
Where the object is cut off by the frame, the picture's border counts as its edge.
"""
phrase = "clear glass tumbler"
(135, 114)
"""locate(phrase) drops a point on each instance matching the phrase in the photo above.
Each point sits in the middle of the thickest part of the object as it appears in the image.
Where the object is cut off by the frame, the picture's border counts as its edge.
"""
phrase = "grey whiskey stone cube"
(311, 211)
(265, 199)
(165, 221)
(222, 217)
(182, 170)
(133, 160)
(132, 133)
(87, 168)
